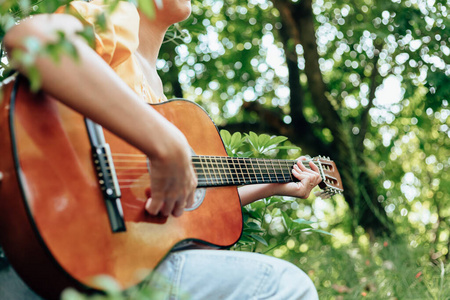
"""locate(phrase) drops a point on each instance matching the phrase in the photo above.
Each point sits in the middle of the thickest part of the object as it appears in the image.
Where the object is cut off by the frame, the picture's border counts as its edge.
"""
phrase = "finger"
(313, 166)
(178, 208)
(301, 165)
(299, 173)
(302, 169)
(307, 178)
(317, 177)
(190, 199)
(153, 207)
(193, 187)
(169, 205)
(301, 176)
(313, 171)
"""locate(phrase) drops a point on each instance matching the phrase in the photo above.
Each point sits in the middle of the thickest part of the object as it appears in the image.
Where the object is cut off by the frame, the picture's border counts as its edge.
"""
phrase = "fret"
(281, 168)
(230, 173)
(275, 173)
(291, 177)
(269, 178)
(216, 170)
(252, 167)
(260, 170)
(201, 176)
(224, 170)
(209, 170)
(244, 170)
(234, 170)
(237, 171)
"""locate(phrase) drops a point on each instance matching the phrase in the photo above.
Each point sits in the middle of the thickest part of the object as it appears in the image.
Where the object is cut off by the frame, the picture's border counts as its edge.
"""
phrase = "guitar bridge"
(106, 174)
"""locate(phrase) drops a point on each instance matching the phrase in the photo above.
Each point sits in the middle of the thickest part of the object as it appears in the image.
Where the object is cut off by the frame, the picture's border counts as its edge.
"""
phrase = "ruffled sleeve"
(120, 39)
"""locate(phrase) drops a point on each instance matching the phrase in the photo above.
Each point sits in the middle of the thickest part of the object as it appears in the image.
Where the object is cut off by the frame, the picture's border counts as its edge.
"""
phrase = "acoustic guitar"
(72, 194)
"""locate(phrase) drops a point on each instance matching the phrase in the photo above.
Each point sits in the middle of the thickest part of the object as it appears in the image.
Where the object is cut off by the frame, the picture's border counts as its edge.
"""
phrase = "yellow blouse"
(118, 43)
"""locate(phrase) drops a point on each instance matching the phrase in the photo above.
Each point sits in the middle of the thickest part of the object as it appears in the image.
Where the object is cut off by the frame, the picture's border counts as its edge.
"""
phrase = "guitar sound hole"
(198, 199)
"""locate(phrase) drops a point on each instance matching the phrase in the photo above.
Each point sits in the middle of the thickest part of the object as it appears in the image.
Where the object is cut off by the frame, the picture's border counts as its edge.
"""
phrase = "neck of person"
(151, 36)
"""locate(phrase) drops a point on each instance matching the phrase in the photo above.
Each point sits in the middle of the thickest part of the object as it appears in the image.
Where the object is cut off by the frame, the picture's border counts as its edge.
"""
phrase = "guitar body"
(54, 226)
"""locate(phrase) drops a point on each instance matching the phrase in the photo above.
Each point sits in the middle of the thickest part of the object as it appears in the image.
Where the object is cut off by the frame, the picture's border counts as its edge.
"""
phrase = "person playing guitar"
(108, 85)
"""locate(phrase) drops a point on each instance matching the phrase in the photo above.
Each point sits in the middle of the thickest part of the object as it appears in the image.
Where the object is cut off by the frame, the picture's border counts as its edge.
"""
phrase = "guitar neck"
(223, 171)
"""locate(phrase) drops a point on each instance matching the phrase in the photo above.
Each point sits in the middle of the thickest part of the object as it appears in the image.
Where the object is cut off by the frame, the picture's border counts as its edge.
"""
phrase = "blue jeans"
(208, 274)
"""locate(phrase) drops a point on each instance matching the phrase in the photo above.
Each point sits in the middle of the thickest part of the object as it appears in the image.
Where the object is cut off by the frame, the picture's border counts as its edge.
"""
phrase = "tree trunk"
(359, 189)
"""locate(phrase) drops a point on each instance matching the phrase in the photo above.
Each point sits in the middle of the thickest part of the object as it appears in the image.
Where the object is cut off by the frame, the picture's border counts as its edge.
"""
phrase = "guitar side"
(53, 221)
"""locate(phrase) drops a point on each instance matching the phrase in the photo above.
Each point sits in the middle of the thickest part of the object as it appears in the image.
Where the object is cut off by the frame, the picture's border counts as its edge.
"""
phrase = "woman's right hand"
(173, 180)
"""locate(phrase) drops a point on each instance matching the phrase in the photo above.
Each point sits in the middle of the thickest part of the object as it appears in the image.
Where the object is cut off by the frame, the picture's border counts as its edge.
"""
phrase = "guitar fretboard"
(223, 171)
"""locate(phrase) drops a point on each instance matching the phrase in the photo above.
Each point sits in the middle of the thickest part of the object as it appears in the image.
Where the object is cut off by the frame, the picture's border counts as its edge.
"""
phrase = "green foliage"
(385, 269)
(261, 215)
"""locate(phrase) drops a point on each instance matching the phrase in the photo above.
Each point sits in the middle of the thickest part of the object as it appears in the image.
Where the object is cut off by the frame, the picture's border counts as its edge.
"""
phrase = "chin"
(175, 11)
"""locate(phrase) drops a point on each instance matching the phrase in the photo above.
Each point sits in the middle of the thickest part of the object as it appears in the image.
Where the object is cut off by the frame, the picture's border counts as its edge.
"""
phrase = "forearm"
(252, 193)
(307, 179)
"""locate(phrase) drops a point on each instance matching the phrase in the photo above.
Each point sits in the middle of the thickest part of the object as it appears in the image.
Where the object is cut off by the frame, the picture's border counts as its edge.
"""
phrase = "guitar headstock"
(331, 180)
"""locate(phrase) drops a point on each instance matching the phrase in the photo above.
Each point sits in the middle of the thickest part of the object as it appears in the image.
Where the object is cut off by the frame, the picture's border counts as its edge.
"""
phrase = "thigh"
(217, 274)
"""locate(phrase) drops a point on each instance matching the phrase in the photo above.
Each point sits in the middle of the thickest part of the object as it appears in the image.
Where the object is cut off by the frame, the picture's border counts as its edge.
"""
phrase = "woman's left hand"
(308, 179)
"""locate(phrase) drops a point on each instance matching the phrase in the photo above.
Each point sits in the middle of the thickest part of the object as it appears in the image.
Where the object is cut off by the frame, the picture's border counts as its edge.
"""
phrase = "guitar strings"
(222, 170)
(221, 160)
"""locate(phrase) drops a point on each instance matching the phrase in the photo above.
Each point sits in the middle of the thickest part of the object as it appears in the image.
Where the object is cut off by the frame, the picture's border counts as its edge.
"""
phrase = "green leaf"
(236, 140)
(246, 239)
(263, 140)
(287, 220)
(303, 221)
(259, 239)
(70, 49)
(226, 137)
(255, 214)
(101, 22)
(322, 231)
(273, 200)
(35, 78)
(253, 225)
(245, 154)
(147, 8)
(253, 139)
(292, 147)
(88, 34)
(32, 44)
(277, 139)
(107, 283)
(72, 294)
